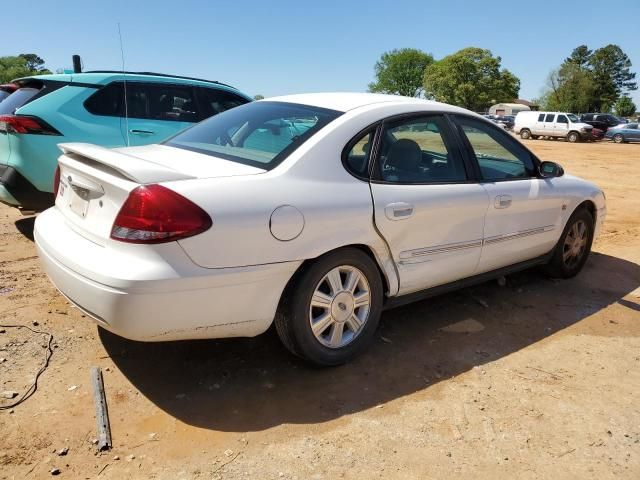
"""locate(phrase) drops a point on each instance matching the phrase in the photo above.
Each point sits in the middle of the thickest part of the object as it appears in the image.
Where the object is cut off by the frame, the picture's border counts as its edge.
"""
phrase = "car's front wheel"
(573, 137)
(331, 309)
(525, 134)
(573, 248)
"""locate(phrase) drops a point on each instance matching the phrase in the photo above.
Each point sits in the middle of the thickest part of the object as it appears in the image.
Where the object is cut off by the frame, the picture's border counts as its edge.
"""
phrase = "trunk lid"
(96, 181)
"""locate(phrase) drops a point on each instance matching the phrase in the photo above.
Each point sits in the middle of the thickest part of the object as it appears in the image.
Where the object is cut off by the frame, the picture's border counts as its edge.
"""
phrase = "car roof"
(108, 76)
(345, 101)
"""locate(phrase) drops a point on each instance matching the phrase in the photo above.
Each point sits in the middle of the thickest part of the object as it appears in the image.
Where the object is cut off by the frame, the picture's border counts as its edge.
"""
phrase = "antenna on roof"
(124, 77)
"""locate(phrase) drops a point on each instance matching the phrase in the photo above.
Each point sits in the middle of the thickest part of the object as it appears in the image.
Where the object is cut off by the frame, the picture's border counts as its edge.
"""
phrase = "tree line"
(587, 81)
(23, 65)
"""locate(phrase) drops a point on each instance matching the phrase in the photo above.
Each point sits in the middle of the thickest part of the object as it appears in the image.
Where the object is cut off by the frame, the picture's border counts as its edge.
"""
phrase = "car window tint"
(216, 101)
(260, 134)
(17, 99)
(549, 117)
(357, 158)
(145, 100)
(107, 101)
(498, 155)
(161, 102)
(562, 119)
(541, 117)
(415, 151)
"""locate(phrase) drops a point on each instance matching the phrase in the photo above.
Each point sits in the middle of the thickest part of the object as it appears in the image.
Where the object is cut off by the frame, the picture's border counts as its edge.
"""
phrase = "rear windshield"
(260, 134)
(17, 99)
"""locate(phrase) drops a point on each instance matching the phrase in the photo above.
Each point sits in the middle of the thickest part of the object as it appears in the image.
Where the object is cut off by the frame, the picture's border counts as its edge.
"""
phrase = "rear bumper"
(17, 191)
(172, 299)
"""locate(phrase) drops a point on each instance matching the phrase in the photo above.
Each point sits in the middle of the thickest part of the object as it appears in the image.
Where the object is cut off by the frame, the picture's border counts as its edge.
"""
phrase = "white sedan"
(314, 211)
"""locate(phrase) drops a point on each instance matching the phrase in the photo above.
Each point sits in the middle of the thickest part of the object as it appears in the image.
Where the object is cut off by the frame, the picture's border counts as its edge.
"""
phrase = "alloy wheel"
(575, 244)
(340, 306)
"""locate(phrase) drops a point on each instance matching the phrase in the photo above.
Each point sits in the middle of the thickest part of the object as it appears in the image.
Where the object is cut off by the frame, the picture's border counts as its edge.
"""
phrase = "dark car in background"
(507, 120)
(601, 121)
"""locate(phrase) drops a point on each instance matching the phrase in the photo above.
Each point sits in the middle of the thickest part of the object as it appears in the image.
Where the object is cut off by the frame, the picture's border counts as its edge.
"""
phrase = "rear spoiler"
(128, 166)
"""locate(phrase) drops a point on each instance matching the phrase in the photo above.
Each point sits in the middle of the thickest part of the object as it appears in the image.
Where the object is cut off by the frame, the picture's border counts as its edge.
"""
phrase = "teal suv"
(90, 107)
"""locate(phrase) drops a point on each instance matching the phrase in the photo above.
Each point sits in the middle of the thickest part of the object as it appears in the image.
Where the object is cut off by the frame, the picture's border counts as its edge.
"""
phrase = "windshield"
(16, 100)
(260, 134)
(573, 118)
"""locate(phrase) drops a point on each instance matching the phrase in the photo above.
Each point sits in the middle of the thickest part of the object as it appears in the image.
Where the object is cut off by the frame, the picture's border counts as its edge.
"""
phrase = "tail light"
(155, 214)
(56, 181)
(26, 124)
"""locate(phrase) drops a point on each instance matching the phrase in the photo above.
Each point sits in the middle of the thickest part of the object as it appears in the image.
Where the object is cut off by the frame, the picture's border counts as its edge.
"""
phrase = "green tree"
(400, 72)
(611, 70)
(471, 78)
(24, 65)
(258, 97)
(580, 56)
(33, 62)
(571, 89)
(625, 107)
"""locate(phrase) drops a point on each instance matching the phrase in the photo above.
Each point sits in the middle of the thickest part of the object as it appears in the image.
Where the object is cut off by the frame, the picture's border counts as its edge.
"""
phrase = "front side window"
(498, 155)
(415, 150)
(562, 119)
(550, 117)
(260, 134)
(573, 118)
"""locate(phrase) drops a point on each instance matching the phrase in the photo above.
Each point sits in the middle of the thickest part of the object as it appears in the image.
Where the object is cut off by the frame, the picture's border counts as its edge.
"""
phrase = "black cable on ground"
(47, 356)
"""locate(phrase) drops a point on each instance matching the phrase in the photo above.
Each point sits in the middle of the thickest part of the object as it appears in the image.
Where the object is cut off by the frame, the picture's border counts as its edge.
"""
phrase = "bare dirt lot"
(545, 386)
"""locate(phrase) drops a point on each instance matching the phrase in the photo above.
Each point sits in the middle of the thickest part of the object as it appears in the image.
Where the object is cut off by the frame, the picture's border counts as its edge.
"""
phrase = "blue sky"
(280, 46)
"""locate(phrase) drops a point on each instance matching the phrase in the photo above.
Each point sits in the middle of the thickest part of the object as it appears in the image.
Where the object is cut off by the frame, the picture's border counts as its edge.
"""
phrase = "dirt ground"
(545, 384)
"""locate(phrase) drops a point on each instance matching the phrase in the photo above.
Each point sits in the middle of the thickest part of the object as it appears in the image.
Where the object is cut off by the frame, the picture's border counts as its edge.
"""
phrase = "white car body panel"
(228, 280)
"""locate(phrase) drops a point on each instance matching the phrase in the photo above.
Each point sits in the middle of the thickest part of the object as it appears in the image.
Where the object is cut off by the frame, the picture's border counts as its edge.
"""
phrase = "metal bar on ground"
(102, 416)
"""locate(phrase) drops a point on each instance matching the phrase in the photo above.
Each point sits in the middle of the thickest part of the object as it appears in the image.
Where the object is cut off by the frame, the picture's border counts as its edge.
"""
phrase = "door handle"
(502, 201)
(141, 132)
(398, 211)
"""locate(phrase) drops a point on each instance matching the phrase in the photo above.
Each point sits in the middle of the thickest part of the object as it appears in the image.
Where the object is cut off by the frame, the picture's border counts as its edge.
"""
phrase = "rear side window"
(549, 117)
(145, 100)
(415, 150)
(107, 101)
(541, 117)
(562, 119)
(17, 99)
(357, 154)
(216, 101)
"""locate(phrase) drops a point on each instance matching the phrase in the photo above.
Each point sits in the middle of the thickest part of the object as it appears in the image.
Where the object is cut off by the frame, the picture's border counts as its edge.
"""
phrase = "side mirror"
(550, 170)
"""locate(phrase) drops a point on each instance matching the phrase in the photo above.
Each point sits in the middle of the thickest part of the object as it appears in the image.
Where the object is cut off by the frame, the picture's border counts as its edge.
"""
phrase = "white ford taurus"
(314, 211)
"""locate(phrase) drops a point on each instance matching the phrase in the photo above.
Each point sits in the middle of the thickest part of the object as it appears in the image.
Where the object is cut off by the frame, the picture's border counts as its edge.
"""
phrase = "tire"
(569, 257)
(334, 310)
(573, 137)
(525, 134)
(618, 138)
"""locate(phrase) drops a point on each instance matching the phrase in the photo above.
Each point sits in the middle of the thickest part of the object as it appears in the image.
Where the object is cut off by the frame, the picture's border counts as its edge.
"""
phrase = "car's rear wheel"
(525, 134)
(331, 308)
(573, 137)
(618, 138)
(573, 248)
